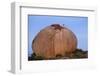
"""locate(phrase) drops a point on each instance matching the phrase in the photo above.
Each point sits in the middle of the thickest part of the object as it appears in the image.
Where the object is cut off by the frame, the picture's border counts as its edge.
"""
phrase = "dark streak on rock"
(57, 26)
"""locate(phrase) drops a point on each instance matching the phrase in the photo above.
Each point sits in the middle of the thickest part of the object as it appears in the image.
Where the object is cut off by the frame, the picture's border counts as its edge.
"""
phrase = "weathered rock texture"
(53, 41)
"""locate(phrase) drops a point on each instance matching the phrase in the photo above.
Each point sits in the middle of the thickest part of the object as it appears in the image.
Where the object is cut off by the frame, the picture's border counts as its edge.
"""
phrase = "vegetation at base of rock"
(77, 54)
(80, 54)
(34, 57)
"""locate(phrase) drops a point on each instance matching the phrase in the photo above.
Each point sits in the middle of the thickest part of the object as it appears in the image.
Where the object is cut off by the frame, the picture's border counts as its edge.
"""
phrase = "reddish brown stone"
(54, 40)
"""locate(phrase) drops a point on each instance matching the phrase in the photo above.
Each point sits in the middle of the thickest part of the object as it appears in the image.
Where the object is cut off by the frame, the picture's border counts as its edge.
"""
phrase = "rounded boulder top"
(54, 40)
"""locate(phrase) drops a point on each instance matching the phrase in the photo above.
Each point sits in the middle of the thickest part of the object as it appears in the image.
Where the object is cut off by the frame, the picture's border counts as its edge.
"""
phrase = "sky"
(78, 25)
